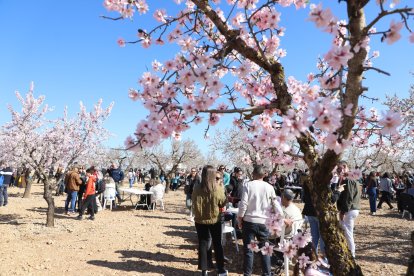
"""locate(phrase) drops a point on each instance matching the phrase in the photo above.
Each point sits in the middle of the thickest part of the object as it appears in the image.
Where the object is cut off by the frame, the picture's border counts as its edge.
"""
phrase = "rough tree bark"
(47, 195)
(410, 269)
(28, 188)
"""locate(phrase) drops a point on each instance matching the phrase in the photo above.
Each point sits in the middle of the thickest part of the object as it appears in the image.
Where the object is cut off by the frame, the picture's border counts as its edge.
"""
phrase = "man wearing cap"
(290, 211)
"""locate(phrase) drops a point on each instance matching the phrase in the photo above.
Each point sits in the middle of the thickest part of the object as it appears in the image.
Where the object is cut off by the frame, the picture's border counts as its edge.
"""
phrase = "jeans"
(372, 193)
(317, 240)
(250, 231)
(348, 227)
(205, 234)
(4, 197)
(131, 182)
(72, 195)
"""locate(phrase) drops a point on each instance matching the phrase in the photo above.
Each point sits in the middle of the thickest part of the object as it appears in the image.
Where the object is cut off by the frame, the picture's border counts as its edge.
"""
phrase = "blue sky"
(71, 54)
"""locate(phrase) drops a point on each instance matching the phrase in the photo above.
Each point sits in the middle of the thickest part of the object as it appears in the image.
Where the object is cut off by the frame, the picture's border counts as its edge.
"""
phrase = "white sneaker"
(191, 219)
(225, 273)
(373, 214)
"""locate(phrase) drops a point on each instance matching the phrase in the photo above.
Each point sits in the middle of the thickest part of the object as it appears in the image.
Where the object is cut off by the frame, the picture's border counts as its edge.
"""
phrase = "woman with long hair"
(207, 199)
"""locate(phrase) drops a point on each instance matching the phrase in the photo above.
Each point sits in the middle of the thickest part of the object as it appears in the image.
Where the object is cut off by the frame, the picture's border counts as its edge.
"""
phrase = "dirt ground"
(141, 242)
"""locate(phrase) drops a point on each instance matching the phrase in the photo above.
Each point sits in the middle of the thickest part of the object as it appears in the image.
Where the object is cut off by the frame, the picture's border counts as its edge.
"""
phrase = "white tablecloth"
(137, 192)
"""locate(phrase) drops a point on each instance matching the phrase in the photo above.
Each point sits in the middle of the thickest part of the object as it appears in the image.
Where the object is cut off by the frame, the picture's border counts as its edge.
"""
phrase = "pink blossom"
(246, 160)
(329, 82)
(214, 119)
(146, 42)
(133, 94)
(267, 249)
(289, 249)
(303, 261)
(333, 144)
(121, 42)
(254, 246)
(412, 37)
(301, 239)
(390, 121)
(160, 15)
(142, 6)
(338, 56)
(394, 33)
(322, 18)
(159, 41)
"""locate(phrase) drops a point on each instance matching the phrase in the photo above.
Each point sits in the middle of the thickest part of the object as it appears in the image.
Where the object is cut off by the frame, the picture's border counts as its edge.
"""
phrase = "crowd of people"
(207, 199)
(210, 191)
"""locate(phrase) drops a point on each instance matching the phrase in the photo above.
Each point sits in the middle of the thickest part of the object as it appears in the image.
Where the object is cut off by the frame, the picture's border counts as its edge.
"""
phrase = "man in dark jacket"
(117, 175)
(7, 172)
(348, 204)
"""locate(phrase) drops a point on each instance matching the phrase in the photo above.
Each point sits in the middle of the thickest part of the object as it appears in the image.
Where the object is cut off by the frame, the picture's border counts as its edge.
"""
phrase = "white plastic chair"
(157, 196)
(229, 229)
(109, 195)
(296, 226)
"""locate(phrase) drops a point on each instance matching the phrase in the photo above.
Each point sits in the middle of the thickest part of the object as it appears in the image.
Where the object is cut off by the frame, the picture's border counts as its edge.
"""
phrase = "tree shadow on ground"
(153, 256)
(187, 235)
(155, 217)
(183, 228)
(19, 195)
(142, 267)
(11, 219)
(59, 212)
(178, 247)
(383, 249)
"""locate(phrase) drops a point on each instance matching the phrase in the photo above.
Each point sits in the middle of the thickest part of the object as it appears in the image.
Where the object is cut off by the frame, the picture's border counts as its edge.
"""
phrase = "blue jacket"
(117, 174)
(7, 173)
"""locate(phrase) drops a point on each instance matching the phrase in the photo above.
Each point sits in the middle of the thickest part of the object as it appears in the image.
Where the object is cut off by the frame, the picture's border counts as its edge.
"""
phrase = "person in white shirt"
(255, 199)
(291, 212)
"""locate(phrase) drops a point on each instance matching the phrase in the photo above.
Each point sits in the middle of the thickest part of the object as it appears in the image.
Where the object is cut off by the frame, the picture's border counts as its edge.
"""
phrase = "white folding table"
(138, 193)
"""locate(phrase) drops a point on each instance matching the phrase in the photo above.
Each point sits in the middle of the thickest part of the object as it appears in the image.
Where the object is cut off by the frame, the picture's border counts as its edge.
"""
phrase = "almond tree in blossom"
(239, 148)
(179, 154)
(230, 62)
(393, 153)
(33, 140)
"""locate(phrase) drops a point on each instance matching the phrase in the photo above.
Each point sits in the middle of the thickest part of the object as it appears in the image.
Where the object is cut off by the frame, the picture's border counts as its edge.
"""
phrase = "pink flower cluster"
(300, 240)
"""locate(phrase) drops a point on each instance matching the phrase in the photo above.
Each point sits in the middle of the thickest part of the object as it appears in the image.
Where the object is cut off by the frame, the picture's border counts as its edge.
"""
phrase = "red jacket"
(90, 186)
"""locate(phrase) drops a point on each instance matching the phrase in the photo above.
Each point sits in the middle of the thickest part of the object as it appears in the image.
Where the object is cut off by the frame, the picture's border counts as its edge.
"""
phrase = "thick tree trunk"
(410, 269)
(47, 195)
(28, 188)
(339, 256)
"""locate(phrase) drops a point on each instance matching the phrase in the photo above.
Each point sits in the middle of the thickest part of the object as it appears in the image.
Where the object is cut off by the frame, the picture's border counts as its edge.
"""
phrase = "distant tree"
(40, 143)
